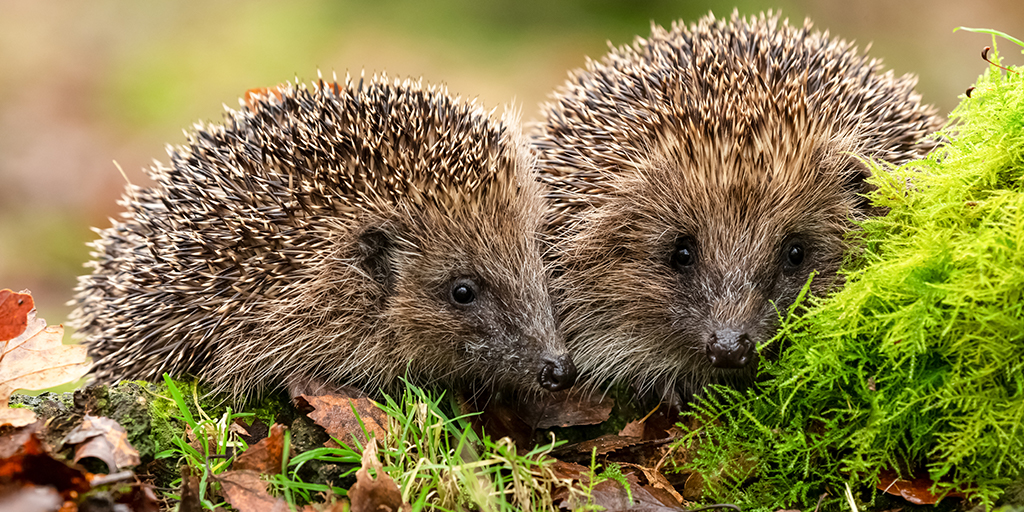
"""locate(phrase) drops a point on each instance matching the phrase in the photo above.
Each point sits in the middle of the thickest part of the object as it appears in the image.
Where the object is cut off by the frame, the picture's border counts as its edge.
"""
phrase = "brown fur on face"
(319, 237)
(685, 169)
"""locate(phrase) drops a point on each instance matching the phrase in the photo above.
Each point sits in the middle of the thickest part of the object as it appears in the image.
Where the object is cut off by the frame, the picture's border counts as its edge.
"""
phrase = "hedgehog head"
(333, 235)
(699, 177)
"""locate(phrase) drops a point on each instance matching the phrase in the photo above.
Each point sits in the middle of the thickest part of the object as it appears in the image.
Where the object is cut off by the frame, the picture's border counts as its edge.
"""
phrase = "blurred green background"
(84, 84)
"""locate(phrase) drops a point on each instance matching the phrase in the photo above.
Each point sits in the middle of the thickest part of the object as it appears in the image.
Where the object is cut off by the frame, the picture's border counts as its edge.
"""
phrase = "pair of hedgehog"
(676, 197)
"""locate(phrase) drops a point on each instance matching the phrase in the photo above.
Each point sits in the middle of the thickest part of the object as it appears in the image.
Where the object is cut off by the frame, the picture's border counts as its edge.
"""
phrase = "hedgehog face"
(687, 265)
(474, 292)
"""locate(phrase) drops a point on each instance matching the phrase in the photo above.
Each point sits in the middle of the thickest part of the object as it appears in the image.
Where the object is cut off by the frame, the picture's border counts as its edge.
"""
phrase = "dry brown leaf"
(189, 491)
(34, 358)
(917, 491)
(141, 498)
(611, 495)
(634, 428)
(379, 494)
(104, 439)
(568, 409)
(265, 456)
(604, 444)
(657, 480)
(25, 461)
(335, 414)
(694, 487)
(247, 493)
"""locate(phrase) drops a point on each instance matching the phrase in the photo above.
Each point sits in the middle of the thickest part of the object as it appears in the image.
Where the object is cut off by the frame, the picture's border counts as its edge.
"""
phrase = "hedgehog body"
(329, 236)
(697, 178)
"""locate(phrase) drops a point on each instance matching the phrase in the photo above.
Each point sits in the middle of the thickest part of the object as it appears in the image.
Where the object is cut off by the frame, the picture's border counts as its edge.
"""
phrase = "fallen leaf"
(141, 498)
(693, 488)
(917, 491)
(496, 416)
(189, 491)
(245, 492)
(656, 480)
(379, 494)
(633, 429)
(104, 439)
(569, 408)
(265, 456)
(17, 417)
(24, 460)
(338, 415)
(34, 358)
(603, 444)
(611, 495)
(14, 311)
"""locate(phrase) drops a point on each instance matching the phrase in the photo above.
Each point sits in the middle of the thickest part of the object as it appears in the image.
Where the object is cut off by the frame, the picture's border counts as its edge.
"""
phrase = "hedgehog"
(332, 236)
(697, 179)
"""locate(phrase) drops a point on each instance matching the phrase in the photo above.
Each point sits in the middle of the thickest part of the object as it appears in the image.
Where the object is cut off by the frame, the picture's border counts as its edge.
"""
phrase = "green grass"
(437, 459)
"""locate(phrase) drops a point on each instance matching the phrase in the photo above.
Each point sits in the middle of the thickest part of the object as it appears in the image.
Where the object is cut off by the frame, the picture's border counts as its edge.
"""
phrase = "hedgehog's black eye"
(463, 293)
(685, 253)
(793, 253)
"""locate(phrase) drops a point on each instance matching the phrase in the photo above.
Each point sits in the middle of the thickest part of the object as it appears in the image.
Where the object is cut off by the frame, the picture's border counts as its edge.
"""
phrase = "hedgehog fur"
(327, 236)
(697, 178)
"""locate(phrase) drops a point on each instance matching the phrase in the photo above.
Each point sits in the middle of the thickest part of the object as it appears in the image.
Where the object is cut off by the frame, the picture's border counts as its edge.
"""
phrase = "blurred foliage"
(84, 84)
(273, 41)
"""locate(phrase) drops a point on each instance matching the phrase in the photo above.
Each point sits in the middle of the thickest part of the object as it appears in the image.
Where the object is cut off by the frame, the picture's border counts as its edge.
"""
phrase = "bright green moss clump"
(919, 360)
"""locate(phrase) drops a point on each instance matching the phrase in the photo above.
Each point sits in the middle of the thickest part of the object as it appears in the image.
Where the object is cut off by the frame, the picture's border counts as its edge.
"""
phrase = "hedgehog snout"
(557, 373)
(729, 348)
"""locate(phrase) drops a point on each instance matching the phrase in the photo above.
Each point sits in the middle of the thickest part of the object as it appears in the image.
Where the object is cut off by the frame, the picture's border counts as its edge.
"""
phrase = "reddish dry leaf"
(247, 493)
(34, 358)
(916, 491)
(104, 439)
(379, 494)
(335, 414)
(376, 495)
(14, 310)
(265, 456)
(24, 460)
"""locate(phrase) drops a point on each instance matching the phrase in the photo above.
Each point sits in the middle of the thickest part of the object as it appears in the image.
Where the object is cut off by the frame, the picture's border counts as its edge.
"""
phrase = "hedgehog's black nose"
(728, 348)
(557, 373)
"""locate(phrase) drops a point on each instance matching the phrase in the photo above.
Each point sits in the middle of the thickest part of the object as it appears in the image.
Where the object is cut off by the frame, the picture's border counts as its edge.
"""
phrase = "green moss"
(919, 360)
(166, 418)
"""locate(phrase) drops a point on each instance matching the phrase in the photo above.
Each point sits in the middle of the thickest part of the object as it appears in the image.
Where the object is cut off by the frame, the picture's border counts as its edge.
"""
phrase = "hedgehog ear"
(375, 256)
(856, 183)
